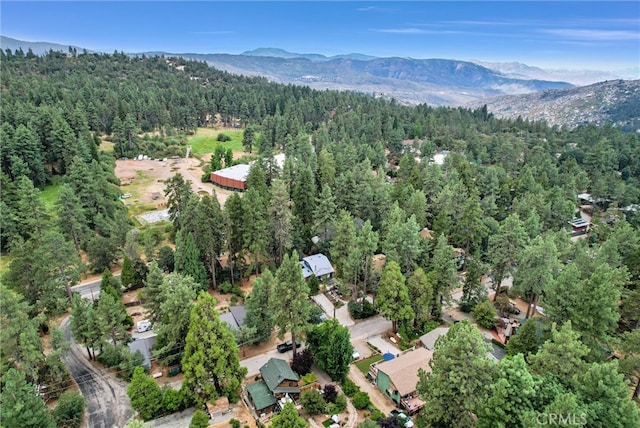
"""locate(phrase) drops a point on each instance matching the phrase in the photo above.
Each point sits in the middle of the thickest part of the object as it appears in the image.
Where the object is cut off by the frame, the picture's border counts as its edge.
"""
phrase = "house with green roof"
(278, 381)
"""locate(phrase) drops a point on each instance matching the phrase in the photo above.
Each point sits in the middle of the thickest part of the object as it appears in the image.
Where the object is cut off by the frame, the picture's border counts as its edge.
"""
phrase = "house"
(317, 265)
(278, 381)
(398, 378)
(579, 226)
(144, 343)
(429, 340)
(235, 317)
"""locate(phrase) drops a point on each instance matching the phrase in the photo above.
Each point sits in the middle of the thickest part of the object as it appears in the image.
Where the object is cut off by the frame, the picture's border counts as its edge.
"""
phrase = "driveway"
(383, 345)
(108, 405)
(342, 313)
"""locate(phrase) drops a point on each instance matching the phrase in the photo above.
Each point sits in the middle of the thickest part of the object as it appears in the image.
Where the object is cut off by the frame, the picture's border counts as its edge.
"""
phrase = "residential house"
(317, 265)
(235, 317)
(429, 342)
(144, 343)
(398, 378)
(278, 382)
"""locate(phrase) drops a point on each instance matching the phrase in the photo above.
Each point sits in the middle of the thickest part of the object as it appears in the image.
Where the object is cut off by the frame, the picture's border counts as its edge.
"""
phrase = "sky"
(556, 35)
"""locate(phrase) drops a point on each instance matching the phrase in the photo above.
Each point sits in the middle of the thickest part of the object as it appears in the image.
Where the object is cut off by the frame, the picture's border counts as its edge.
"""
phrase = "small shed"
(579, 225)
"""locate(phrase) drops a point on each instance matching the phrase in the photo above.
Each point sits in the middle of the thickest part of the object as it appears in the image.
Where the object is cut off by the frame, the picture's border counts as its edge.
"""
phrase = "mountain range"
(508, 89)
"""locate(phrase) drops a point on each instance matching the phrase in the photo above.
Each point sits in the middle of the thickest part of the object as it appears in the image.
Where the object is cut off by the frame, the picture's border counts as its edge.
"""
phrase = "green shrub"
(376, 415)
(485, 314)
(226, 287)
(309, 378)
(350, 388)
(338, 407)
(361, 400)
(234, 300)
(361, 309)
(312, 401)
(234, 423)
(199, 420)
(68, 412)
(223, 137)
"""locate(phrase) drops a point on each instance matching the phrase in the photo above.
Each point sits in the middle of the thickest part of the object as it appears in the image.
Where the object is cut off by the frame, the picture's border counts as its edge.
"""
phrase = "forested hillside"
(359, 175)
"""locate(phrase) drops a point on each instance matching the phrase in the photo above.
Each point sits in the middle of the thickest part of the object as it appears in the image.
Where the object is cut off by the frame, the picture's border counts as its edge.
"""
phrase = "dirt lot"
(144, 178)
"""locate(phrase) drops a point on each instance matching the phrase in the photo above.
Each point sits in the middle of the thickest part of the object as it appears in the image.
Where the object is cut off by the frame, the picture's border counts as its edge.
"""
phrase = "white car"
(355, 355)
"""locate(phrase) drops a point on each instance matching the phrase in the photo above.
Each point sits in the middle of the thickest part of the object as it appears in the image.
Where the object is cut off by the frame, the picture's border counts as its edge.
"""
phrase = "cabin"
(278, 382)
(317, 265)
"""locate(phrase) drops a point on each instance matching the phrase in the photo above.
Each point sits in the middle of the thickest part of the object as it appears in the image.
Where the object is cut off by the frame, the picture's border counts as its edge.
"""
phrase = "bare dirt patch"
(145, 180)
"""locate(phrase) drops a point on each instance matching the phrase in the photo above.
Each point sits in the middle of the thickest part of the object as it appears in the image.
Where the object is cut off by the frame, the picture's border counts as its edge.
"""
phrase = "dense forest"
(359, 178)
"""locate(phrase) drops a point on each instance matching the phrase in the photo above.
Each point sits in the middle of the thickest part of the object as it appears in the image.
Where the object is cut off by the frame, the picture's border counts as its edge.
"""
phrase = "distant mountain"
(38, 48)
(616, 102)
(412, 81)
(281, 53)
(432, 81)
(518, 70)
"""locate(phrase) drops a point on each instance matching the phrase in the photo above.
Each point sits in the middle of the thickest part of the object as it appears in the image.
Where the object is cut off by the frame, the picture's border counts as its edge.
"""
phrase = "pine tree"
(392, 299)
(187, 259)
(290, 304)
(211, 364)
(257, 317)
(71, 219)
(281, 218)
(21, 405)
(460, 378)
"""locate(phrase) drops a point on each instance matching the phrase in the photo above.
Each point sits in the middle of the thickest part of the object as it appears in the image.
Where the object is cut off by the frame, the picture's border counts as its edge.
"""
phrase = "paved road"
(108, 405)
(90, 289)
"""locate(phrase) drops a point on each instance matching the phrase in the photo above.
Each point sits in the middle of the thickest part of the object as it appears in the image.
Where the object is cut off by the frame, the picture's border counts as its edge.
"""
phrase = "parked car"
(513, 308)
(402, 418)
(287, 346)
(355, 355)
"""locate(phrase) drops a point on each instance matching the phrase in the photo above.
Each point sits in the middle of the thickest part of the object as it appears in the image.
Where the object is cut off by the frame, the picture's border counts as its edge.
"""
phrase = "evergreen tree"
(210, 363)
(21, 405)
(187, 259)
(444, 266)
(562, 357)
(145, 395)
(255, 226)
(510, 395)
(460, 378)
(234, 227)
(153, 292)
(281, 217)
(289, 303)
(257, 317)
(331, 347)
(420, 287)
(504, 248)
(392, 299)
(112, 320)
(71, 219)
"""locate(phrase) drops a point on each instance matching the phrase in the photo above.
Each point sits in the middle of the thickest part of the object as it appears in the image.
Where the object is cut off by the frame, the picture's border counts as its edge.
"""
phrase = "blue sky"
(560, 34)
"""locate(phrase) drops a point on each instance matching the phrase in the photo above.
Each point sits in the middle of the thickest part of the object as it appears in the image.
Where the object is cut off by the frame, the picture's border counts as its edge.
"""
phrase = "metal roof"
(275, 371)
(319, 264)
(237, 172)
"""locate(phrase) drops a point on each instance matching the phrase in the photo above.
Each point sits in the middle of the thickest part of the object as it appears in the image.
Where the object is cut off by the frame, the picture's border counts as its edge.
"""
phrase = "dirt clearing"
(143, 182)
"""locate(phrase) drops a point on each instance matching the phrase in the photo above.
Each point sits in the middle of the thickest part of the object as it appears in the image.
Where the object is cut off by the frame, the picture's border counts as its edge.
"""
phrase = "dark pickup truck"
(287, 346)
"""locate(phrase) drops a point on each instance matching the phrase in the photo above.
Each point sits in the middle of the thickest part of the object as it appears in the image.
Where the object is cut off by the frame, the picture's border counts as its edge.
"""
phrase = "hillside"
(616, 102)
(412, 81)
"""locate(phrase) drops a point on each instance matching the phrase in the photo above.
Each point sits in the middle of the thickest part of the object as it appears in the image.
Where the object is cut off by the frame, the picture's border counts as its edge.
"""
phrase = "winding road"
(108, 405)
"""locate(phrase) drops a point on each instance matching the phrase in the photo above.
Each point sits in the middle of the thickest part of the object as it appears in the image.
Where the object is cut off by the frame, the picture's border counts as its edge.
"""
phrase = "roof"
(275, 371)
(403, 370)
(306, 270)
(230, 320)
(260, 395)
(144, 345)
(579, 222)
(429, 339)
(235, 317)
(237, 172)
(239, 313)
(319, 264)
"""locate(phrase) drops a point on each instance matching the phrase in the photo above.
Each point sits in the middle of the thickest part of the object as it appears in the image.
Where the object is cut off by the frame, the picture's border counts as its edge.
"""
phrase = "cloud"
(592, 35)
(374, 9)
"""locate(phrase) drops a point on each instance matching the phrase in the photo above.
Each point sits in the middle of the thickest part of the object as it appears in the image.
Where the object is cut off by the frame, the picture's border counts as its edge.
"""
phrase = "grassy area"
(106, 146)
(363, 365)
(204, 141)
(49, 195)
